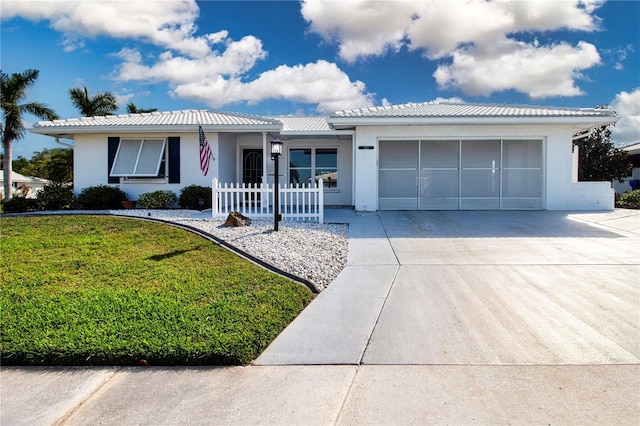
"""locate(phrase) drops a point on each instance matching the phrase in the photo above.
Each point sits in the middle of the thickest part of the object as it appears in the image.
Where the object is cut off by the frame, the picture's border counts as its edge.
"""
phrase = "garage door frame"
(517, 178)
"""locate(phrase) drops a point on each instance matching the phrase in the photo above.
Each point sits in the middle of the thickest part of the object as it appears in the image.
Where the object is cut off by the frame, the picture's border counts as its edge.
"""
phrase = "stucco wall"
(563, 191)
(560, 192)
(90, 163)
(226, 158)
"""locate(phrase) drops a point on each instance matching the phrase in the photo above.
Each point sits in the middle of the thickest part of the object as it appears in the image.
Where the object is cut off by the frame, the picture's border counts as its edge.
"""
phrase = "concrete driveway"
(468, 288)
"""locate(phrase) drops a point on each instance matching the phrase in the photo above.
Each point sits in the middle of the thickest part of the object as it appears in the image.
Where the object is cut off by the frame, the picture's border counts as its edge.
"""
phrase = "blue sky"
(314, 57)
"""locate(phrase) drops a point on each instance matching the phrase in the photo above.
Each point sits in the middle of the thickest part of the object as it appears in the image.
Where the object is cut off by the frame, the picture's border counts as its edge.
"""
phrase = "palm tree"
(91, 106)
(133, 109)
(13, 90)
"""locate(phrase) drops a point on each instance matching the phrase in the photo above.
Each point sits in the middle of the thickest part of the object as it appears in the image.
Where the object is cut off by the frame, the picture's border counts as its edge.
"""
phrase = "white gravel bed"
(307, 250)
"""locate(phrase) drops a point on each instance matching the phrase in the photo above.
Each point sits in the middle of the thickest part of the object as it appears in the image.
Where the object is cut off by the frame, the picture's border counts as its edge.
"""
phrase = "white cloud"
(539, 72)
(627, 129)
(209, 68)
(238, 58)
(479, 37)
(361, 27)
(321, 82)
(124, 98)
(453, 100)
(621, 55)
(439, 28)
(170, 24)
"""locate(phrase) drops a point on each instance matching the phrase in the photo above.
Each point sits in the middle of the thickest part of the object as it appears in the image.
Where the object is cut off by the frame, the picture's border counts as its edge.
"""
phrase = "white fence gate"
(298, 202)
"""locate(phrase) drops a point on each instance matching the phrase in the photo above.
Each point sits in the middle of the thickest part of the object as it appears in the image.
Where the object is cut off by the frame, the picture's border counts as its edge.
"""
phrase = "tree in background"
(133, 109)
(599, 160)
(55, 165)
(13, 90)
(91, 106)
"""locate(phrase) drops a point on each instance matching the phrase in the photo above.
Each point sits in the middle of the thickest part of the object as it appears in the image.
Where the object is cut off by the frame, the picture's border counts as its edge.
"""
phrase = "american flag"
(205, 152)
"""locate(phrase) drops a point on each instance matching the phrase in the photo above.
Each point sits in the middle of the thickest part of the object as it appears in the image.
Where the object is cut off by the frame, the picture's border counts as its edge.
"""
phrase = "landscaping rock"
(305, 249)
(236, 219)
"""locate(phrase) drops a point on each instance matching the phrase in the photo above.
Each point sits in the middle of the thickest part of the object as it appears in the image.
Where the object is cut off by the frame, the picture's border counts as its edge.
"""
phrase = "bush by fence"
(192, 195)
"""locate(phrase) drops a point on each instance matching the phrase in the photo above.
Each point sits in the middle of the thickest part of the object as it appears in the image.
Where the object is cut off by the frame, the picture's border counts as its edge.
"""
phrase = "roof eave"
(339, 122)
(170, 128)
(319, 133)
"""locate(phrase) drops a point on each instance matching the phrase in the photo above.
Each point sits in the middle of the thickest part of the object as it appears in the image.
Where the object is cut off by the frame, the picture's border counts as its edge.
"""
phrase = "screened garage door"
(467, 174)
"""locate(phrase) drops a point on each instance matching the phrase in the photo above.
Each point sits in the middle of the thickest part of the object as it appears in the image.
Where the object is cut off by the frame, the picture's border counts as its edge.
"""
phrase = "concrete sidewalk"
(315, 395)
(439, 317)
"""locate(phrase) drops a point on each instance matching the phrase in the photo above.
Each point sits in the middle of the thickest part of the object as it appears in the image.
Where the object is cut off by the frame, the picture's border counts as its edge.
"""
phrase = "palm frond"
(103, 103)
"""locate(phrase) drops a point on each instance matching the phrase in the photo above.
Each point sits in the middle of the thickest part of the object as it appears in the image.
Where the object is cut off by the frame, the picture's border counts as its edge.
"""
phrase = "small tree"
(599, 160)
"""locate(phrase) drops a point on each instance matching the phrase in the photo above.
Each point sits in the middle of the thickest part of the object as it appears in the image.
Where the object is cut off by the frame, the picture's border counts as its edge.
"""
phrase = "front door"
(252, 170)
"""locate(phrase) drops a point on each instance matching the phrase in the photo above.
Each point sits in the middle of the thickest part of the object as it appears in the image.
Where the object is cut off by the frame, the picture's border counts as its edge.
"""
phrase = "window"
(300, 166)
(140, 158)
(321, 163)
(327, 167)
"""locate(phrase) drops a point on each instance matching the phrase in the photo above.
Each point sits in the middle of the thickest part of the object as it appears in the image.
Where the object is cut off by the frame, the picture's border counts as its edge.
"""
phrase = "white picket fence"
(297, 202)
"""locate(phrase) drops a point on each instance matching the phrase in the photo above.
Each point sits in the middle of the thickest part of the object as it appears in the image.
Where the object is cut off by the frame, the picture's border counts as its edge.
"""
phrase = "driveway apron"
(469, 287)
(335, 328)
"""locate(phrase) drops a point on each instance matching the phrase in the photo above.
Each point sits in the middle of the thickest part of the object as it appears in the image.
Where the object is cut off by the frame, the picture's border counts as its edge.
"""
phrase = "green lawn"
(95, 290)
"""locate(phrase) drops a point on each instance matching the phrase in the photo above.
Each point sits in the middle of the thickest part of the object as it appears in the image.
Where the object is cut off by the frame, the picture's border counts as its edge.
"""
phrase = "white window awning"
(138, 157)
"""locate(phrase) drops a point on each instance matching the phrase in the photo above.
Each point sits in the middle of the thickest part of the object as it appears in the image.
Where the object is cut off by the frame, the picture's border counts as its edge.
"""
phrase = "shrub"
(20, 205)
(629, 200)
(101, 197)
(55, 198)
(191, 195)
(161, 199)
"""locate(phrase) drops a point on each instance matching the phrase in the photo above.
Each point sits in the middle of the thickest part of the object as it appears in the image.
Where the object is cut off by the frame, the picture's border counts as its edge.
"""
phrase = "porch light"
(276, 148)
(276, 151)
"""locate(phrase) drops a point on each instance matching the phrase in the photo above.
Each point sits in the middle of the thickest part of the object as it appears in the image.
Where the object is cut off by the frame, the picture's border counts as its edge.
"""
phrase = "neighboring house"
(21, 184)
(412, 156)
(634, 158)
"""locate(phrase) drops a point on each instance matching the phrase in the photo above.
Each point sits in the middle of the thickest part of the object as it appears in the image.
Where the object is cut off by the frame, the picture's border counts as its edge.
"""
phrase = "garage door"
(468, 174)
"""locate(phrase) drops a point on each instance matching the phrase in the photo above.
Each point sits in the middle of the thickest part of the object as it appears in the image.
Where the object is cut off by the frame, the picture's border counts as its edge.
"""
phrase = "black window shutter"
(113, 142)
(174, 159)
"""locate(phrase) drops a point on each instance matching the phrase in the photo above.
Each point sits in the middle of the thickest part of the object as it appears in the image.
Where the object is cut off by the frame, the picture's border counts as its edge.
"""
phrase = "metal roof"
(304, 124)
(159, 119)
(633, 149)
(450, 110)
(337, 124)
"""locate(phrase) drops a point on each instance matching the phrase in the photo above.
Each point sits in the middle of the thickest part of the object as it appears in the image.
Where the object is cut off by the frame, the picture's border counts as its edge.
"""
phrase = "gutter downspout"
(58, 141)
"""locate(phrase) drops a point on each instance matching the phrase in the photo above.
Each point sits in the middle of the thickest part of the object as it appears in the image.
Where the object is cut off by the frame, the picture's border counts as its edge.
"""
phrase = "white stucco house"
(631, 182)
(21, 184)
(403, 157)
